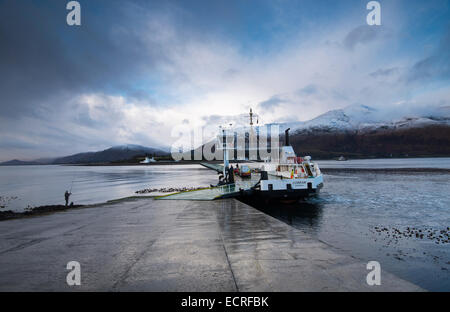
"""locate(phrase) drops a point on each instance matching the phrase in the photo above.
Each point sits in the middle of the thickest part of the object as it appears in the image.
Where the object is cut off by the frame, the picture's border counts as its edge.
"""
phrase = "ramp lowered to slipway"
(224, 191)
(216, 167)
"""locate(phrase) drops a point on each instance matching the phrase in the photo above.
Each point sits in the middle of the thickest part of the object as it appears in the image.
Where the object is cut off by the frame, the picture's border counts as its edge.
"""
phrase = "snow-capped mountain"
(361, 131)
(362, 117)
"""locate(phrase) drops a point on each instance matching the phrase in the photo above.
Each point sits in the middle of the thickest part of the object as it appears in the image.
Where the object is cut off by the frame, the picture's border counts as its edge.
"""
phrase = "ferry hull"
(289, 194)
(288, 189)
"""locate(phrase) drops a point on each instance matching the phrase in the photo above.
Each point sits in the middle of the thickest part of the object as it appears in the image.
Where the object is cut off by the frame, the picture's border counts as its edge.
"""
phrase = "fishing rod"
(71, 186)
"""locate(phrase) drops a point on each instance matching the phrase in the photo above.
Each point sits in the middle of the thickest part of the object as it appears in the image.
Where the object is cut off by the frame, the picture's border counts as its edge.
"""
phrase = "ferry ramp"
(218, 192)
(216, 167)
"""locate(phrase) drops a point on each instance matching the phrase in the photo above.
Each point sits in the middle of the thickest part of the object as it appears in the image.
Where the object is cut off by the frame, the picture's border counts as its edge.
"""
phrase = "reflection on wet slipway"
(303, 214)
(252, 233)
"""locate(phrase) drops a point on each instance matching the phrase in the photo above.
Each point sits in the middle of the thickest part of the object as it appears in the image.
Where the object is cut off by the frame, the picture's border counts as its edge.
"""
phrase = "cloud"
(383, 72)
(363, 34)
(309, 89)
(42, 59)
(138, 69)
(435, 66)
(271, 103)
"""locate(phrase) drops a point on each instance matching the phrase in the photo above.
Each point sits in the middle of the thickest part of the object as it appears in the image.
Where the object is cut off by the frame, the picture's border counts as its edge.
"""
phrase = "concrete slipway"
(155, 245)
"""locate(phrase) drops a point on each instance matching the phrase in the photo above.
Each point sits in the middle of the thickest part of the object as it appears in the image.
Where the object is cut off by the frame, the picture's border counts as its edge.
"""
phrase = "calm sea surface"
(372, 215)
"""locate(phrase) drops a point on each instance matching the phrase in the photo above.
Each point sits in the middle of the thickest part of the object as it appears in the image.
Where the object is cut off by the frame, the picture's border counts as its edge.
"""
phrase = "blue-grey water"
(31, 186)
(389, 163)
(373, 215)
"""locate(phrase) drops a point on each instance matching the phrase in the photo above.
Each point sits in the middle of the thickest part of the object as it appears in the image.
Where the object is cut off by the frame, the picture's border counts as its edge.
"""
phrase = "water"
(350, 208)
(32, 186)
(352, 205)
(389, 163)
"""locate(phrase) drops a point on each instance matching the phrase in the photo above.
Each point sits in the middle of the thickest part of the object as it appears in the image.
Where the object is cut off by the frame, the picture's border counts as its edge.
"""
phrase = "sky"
(134, 70)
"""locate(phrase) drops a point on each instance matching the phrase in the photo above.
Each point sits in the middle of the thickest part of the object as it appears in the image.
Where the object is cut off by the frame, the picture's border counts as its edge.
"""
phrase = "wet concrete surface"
(154, 245)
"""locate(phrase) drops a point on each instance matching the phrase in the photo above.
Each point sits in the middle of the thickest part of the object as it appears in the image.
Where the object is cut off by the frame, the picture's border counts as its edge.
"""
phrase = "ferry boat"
(286, 177)
(291, 177)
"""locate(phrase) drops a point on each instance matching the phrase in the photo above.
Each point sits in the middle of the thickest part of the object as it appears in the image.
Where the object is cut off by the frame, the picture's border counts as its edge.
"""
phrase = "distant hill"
(424, 141)
(113, 154)
(16, 162)
(360, 131)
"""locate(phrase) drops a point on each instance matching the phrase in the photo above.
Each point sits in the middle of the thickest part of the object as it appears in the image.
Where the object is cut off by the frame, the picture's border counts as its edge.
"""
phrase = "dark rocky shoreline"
(169, 189)
(9, 214)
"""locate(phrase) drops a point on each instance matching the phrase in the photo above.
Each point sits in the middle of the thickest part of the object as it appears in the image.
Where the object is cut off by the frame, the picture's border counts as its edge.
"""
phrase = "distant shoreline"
(386, 170)
(196, 162)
